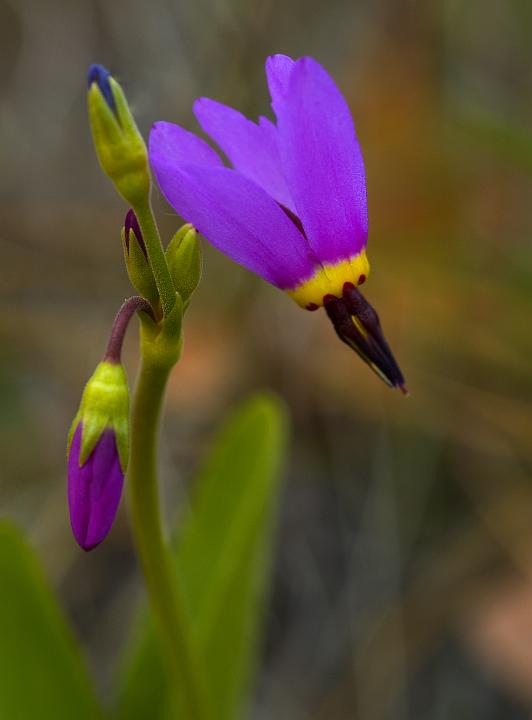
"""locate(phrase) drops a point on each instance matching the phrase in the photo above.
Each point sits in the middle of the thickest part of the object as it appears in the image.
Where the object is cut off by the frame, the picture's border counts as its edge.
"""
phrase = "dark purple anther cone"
(94, 490)
(358, 325)
(132, 224)
(100, 75)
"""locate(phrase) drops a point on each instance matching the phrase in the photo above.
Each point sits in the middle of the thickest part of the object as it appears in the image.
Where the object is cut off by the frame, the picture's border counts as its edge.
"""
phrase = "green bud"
(183, 256)
(104, 405)
(119, 145)
(136, 259)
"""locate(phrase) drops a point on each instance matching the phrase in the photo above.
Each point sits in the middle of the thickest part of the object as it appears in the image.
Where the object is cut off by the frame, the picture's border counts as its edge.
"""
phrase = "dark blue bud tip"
(100, 75)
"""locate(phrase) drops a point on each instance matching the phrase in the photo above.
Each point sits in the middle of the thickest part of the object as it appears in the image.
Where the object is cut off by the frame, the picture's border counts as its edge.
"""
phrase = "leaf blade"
(222, 556)
(41, 671)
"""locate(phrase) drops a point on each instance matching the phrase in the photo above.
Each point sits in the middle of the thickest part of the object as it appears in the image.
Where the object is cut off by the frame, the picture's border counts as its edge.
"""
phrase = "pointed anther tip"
(100, 75)
(402, 387)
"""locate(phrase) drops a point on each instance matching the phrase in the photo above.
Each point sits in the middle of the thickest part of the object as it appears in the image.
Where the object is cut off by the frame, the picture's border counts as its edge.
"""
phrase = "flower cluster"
(291, 208)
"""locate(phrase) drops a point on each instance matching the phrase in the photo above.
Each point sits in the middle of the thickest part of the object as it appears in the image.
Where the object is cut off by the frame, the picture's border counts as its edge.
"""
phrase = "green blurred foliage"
(223, 551)
(41, 671)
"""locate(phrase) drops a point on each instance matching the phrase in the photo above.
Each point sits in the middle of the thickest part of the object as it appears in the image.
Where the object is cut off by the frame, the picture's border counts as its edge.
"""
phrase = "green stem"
(165, 594)
(156, 256)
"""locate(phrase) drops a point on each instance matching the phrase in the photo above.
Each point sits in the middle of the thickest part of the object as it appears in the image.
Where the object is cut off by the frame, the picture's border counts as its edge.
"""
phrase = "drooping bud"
(94, 488)
(183, 255)
(119, 145)
(98, 454)
(136, 259)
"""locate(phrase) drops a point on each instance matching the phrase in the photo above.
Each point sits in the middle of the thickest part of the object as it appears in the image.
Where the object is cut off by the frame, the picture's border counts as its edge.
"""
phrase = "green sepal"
(139, 269)
(161, 342)
(104, 405)
(184, 259)
(119, 145)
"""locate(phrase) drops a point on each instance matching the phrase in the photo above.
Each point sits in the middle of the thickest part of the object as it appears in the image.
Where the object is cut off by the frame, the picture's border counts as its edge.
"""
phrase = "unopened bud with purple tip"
(98, 453)
(119, 145)
(133, 232)
(136, 259)
(98, 442)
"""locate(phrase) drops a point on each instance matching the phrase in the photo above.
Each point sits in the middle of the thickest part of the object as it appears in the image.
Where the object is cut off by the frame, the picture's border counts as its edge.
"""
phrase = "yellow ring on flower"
(329, 279)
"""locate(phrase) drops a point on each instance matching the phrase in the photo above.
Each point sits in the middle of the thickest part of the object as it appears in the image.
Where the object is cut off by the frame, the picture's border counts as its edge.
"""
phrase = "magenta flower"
(292, 208)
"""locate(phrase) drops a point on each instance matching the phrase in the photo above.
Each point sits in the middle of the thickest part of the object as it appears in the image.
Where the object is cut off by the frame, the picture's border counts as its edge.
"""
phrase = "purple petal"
(94, 490)
(181, 146)
(323, 162)
(236, 215)
(278, 70)
(252, 149)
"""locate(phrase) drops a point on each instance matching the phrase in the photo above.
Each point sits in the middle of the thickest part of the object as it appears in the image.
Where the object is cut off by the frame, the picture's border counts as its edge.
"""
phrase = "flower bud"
(136, 258)
(119, 145)
(183, 255)
(97, 454)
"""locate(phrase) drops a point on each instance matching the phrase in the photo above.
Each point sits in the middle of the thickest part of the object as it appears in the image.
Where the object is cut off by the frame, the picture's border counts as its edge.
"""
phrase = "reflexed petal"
(323, 162)
(278, 70)
(94, 490)
(181, 146)
(252, 149)
(236, 215)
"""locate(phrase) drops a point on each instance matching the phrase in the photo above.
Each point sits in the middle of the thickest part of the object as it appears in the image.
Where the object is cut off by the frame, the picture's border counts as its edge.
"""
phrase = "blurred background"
(403, 576)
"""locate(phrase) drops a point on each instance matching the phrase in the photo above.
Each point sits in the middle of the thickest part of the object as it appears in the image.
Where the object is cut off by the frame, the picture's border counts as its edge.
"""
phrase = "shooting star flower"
(292, 208)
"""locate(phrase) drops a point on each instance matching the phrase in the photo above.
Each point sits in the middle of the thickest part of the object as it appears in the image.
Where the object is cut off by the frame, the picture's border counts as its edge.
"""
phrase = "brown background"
(403, 585)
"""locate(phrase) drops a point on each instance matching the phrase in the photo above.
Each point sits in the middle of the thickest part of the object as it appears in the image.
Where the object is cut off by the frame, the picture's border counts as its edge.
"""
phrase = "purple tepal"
(94, 489)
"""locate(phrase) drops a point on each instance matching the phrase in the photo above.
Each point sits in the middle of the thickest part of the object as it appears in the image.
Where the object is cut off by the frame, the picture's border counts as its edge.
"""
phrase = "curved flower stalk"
(292, 208)
(98, 443)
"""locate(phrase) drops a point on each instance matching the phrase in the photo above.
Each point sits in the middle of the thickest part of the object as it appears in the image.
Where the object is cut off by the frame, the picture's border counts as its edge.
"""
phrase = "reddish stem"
(120, 325)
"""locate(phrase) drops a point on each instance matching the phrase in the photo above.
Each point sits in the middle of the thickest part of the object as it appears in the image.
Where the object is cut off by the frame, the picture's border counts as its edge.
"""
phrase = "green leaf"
(223, 554)
(41, 671)
(142, 687)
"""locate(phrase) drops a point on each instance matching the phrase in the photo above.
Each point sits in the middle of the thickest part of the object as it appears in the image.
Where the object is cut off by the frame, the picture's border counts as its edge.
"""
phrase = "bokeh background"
(403, 577)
